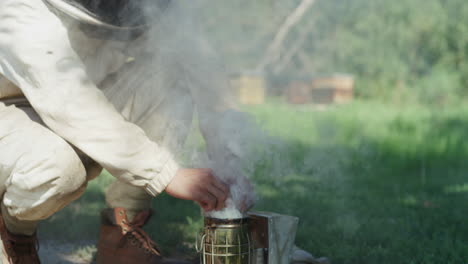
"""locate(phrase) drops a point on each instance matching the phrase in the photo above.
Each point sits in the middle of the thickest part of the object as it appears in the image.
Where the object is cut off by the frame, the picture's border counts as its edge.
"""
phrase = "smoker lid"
(209, 221)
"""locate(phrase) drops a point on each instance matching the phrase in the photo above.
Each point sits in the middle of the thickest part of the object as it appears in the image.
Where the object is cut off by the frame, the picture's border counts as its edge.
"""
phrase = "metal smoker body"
(226, 241)
(260, 238)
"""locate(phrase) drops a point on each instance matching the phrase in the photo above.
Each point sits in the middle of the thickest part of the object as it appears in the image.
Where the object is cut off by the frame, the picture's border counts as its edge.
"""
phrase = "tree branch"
(286, 59)
(274, 50)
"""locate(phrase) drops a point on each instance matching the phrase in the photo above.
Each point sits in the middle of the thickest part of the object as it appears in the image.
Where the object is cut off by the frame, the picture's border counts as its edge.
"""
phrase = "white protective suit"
(125, 105)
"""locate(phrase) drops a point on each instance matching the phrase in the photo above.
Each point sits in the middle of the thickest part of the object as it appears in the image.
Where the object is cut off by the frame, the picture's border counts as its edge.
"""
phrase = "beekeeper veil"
(111, 19)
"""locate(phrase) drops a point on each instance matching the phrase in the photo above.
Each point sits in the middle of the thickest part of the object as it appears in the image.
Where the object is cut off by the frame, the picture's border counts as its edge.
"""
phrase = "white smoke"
(185, 55)
(231, 149)
(172, 68)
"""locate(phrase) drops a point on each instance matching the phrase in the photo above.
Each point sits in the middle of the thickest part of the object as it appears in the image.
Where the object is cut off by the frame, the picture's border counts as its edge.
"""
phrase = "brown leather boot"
(18, 249)
(124, 242)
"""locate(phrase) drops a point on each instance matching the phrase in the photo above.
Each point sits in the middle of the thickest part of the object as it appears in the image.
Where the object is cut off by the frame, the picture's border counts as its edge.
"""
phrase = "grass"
(371, 183)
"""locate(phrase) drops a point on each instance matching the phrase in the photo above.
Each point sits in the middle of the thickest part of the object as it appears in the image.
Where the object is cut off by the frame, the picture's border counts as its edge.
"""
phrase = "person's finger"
(208, 171)
(204, 206)
(209, 200)
(223, 187)
(219, 195)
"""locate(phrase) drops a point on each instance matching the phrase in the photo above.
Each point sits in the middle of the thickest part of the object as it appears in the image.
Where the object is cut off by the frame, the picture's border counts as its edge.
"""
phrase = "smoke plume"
(177, 68)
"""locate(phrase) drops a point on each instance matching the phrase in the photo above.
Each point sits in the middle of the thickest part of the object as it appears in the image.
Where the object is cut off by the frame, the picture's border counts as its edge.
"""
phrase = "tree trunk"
(274, 49)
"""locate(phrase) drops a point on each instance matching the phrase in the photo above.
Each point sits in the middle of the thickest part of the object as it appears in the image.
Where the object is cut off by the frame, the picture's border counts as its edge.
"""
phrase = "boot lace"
(135, 234)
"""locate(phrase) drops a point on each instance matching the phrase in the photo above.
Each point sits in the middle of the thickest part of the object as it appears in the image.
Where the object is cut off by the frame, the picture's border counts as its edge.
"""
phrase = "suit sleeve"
(37, 56)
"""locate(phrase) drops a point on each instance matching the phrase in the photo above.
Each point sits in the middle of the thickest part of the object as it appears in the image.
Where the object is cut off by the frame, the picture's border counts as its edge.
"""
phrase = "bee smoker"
(226, 241)
(259, 238)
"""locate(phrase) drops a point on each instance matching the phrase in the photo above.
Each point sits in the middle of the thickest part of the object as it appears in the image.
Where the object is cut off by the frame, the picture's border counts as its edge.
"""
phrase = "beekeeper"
(92, 84)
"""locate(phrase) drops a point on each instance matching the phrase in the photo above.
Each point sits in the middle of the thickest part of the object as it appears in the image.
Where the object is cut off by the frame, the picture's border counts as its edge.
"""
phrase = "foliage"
(394, 49)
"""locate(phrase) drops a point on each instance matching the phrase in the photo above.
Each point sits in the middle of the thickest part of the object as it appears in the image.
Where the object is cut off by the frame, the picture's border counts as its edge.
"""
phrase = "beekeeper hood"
(110, 19)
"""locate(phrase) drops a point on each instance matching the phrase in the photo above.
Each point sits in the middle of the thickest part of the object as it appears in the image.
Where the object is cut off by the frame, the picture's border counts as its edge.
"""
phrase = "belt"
(18, 101)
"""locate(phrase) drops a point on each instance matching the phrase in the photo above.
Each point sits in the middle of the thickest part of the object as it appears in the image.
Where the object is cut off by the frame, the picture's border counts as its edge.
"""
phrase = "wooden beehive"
(249, 88)
(332, 89)
(298, 92)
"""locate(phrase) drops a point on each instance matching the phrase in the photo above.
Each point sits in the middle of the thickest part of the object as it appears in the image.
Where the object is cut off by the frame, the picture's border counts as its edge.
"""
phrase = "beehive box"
(298, 92)
(332, 89)
(249, 88)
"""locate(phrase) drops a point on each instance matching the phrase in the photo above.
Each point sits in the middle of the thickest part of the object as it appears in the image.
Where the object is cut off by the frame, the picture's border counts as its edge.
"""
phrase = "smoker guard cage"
(260, 238)
(226, 241)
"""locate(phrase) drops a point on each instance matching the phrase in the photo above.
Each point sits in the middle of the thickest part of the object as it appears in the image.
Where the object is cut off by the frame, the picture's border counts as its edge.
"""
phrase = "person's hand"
(199, 185)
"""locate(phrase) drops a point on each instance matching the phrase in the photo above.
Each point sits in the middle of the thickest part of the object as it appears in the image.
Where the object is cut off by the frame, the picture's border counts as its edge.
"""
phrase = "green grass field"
(371, 183)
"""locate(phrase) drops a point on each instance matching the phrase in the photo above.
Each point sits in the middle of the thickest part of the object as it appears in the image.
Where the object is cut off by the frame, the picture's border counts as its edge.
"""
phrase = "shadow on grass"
(399, 198)
(173, 225)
